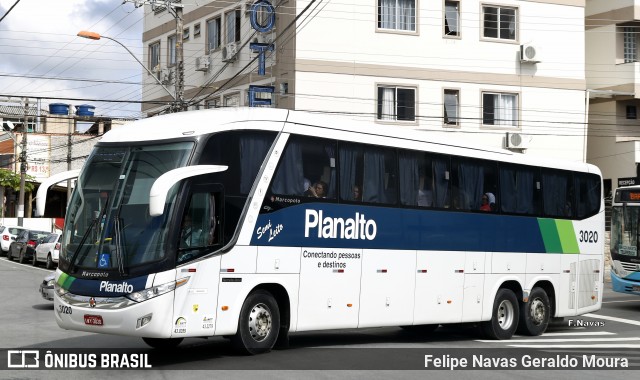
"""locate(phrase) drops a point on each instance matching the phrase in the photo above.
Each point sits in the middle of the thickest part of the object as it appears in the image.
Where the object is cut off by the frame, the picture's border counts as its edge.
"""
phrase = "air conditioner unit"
(165, 76)
(517, 140)
(529, 53)
(229, 52)
(202, 63)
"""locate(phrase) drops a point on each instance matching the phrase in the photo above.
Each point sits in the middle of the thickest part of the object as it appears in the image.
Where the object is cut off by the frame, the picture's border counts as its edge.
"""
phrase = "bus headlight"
(147, 294)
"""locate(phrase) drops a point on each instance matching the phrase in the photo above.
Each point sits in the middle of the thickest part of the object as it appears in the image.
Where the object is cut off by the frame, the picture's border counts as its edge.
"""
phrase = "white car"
(7, 235)
(48, 251)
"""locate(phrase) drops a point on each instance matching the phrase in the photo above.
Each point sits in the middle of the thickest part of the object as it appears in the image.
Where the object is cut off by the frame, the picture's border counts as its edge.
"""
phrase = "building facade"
(506, 74)
(613, 80)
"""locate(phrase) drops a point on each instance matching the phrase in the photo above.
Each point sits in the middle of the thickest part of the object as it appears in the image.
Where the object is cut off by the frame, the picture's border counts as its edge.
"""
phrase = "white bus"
(625, 263)
(254, 223)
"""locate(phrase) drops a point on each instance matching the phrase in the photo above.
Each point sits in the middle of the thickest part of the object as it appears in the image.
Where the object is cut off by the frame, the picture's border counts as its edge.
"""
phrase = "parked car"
(25, 244)
(47, 250)
(7, 235)
(46, 286)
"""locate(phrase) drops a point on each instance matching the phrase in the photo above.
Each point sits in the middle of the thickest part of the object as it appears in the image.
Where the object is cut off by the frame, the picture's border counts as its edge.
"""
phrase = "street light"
(96, 36)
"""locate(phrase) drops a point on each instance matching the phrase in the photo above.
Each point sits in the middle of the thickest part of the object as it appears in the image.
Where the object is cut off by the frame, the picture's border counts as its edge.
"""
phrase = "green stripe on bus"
(567, 236)
(65, 280)
(550, 235)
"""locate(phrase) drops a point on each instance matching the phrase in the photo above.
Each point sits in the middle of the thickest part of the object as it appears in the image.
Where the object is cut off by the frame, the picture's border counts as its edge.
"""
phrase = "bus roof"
(200, 122)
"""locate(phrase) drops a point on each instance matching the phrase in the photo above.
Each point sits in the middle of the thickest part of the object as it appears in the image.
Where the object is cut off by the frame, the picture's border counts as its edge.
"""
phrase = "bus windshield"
(108, 225)
(624, 230)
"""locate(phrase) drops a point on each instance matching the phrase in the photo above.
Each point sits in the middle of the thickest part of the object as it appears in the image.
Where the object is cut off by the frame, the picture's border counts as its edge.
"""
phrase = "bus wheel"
(504, 317)
(534, 314)
(163, 344)
(258, 325)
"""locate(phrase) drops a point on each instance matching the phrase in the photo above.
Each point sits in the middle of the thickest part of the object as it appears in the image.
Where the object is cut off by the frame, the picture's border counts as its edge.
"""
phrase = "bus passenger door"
(439, 287)
(329, 288)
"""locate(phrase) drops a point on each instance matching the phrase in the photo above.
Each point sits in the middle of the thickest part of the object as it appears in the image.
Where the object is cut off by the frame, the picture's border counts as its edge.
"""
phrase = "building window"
(213, 103)
(196, 30)
(499, 22)
(232, 100)
(154, 55)
(232, 20)
(397, 14)
(395, 103)
(632, 112)
(185, 34)
(451, 18)
(213, 34)
(500, 109)
(171, 47)
(630, 39)
(451, 107)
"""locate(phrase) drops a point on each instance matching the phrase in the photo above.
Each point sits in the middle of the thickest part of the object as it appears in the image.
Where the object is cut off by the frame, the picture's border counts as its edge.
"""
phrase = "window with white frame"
(451, 18)
(630, 40)
(396, 103)
(154, 55)
(171, 47)
(451, 107)
(232, 20)
(397, 14)
(232, 100)
(499, 22)
(213, 103)
(213, 34)
(500, 109)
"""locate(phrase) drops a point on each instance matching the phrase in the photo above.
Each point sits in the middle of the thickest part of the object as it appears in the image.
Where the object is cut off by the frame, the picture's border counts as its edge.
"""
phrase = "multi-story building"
(613, 79)
(506, 73)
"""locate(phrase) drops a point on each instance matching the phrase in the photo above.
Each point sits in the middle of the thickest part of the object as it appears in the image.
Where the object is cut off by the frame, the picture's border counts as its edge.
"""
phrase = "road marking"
(613, 319)
(638, 300)
(575, 345)
(562, 340)
(579, 333)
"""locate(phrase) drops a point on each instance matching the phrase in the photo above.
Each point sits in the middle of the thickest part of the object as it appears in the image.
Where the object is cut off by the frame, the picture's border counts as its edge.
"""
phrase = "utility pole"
(176, 9)
(23, 163)
(69, 153)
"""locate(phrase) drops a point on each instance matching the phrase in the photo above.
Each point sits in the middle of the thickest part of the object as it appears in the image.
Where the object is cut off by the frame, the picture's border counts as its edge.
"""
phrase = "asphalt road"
(28, 324)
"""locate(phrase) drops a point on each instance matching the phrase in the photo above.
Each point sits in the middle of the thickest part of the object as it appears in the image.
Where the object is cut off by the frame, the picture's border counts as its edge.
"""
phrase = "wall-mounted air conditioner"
(517, 141)
(202, 63)
(165, 76)
(529, 54)
(229, 52)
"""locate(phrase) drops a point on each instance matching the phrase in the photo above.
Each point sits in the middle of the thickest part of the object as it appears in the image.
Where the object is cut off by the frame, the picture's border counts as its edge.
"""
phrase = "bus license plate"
(95, 320)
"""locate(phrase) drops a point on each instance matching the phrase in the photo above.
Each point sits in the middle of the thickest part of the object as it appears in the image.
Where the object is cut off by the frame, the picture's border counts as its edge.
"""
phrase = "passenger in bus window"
(319, 190)
(488, 202)
(357, 193)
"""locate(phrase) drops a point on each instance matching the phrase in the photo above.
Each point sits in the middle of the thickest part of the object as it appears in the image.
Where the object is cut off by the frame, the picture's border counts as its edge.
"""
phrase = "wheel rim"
(505, 314)
(537, 311)
(260, 322)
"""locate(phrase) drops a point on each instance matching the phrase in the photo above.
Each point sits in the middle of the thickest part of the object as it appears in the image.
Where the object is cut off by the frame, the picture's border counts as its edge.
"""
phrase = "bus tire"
(535, 313)
(504, 316)
(258, 325)
(163, 344)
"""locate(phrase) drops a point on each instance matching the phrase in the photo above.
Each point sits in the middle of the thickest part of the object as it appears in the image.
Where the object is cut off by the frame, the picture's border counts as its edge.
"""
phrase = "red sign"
(95, 320)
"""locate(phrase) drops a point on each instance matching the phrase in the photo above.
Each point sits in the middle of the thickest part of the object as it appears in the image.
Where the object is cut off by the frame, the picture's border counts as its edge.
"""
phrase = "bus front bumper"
(624, 286)
(149, 319)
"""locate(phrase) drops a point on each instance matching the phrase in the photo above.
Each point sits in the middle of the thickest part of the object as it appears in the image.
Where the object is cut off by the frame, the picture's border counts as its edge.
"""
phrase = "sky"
(41, 55)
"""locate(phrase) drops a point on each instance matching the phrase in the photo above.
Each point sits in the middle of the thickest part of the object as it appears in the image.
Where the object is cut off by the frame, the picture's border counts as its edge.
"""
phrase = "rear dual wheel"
(504, 316)
(535, 313)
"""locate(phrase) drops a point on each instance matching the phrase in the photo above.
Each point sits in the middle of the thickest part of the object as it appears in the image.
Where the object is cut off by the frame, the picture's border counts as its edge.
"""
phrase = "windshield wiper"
(94, 222)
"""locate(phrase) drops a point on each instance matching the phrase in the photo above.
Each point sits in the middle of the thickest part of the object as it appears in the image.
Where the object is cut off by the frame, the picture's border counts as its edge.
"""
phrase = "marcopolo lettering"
(333, 228)
(123, 287)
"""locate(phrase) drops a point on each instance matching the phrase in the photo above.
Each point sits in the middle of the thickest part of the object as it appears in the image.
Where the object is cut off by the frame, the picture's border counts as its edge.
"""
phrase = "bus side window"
(306, 161)
(372, 166)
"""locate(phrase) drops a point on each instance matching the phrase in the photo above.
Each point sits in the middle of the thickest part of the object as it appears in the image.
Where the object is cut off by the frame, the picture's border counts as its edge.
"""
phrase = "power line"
(10, 9)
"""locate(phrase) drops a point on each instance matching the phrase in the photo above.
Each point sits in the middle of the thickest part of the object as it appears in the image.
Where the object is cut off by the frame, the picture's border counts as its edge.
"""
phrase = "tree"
(12, 180)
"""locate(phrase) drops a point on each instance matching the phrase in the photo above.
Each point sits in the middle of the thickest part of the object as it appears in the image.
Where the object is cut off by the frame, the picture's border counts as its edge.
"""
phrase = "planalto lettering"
(333, 228)
(122, 287)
